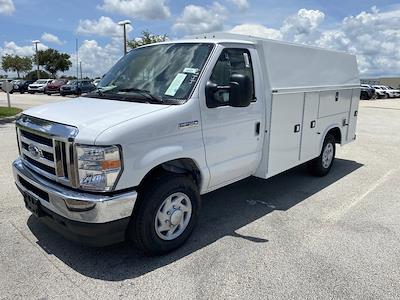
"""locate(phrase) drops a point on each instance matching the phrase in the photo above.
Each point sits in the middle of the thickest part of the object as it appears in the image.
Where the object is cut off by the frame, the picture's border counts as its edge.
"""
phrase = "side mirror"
(240, 94)
(211, 89)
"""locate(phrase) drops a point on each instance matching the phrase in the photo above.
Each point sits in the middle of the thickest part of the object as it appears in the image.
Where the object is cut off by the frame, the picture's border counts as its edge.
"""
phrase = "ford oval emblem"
(35, 151)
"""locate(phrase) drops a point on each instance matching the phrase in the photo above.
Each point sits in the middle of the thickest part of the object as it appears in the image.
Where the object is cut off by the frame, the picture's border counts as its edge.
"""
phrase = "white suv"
(394, 92)
(385, 92)
(39, 86)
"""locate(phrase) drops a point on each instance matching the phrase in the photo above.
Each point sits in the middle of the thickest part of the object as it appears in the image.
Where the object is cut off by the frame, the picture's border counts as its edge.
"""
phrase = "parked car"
(21, 85)
(77, 87)
(391, 93)
(381, 92)
(96, 81)
(394, 92)
(54, 86)
(367, 92)
(172, 121)
(39, 86)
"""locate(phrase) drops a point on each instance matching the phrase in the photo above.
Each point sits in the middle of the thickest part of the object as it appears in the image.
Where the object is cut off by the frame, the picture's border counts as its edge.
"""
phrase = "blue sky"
(346, 26)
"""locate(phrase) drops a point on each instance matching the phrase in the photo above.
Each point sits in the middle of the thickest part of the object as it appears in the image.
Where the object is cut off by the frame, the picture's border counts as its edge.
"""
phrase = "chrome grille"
(47, 148)
(44, 157)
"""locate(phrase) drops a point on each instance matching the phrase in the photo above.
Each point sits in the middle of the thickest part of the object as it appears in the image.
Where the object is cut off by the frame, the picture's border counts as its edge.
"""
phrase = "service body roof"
(295, 66)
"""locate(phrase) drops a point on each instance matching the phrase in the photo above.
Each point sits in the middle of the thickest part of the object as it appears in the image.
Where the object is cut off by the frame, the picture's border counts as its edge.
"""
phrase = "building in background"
(394, 82)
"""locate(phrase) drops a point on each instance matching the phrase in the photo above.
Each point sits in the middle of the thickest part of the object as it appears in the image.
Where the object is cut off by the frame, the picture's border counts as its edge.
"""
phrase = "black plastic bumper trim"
(90, 234)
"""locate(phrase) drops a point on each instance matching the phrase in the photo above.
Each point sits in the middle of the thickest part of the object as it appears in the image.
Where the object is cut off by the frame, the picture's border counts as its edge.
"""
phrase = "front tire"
(321, 165)
(168, 209)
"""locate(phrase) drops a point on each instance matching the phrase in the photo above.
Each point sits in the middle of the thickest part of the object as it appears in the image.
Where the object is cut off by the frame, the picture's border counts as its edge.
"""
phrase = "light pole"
(36, 42)
(124, 23)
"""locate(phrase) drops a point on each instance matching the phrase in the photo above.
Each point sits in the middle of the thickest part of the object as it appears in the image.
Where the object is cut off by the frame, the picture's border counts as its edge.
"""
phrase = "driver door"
(231, 134)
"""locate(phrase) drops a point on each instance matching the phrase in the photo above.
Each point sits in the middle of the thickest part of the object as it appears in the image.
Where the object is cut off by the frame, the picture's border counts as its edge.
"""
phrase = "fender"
(163, 155)
(143, 157)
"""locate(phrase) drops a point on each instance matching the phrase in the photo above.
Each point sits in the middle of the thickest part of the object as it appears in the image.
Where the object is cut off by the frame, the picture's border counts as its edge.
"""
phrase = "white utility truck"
(174, 120)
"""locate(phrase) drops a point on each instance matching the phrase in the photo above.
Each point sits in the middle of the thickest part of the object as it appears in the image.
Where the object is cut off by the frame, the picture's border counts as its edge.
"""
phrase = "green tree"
(53, 61)
(16, 63)
(145, 39)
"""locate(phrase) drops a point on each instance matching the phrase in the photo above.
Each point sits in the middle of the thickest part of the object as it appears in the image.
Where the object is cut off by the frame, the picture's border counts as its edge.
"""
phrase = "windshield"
(72, 82)
(57, 81)
(167, 71)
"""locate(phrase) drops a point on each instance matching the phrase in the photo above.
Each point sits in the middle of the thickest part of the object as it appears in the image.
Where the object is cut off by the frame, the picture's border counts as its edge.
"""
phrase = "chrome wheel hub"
(173, 216)
(327, 156)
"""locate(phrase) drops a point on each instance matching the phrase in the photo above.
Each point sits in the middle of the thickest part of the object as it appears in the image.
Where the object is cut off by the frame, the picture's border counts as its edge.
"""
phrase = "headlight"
(98, 167)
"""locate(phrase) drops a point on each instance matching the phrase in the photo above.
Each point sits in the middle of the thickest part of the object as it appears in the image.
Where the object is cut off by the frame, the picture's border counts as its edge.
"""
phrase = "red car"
(54, 86)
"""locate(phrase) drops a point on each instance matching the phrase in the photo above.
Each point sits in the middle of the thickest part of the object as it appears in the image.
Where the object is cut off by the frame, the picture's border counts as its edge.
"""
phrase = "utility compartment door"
(355, 99)
(309, 139)
(285, 132)
(334, 102)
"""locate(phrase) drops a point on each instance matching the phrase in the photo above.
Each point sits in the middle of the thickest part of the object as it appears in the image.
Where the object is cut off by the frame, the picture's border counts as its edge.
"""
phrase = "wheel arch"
(178, 166)
(335, 131)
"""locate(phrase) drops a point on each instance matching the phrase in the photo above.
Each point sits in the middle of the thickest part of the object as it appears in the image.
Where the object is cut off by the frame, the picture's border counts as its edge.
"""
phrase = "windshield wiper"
(145, 93)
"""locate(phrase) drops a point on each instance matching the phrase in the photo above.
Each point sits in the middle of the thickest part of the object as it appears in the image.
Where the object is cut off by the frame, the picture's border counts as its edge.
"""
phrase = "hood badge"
(189, 124)
(35, 151)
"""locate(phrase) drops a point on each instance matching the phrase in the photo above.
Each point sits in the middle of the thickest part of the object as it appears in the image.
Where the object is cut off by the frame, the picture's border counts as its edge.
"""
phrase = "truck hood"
(92, 116)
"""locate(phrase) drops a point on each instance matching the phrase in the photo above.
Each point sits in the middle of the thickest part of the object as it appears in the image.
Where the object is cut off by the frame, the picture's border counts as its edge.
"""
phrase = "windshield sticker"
(175, 84)
(246, 60)
(190, 70)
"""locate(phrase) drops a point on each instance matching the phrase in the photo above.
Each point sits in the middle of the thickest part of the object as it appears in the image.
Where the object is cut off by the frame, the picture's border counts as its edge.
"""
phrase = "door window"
(231, 61)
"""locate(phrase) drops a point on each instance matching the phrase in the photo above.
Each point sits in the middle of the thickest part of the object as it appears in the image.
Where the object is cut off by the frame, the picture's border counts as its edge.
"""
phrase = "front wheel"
(167, 212)
(321, 165)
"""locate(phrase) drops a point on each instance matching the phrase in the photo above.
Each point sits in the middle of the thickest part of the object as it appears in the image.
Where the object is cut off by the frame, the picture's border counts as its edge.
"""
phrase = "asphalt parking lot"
(292, 236)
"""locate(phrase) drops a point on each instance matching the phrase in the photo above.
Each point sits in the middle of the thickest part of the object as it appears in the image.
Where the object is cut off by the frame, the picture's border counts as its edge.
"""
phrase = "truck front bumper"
(102, 225)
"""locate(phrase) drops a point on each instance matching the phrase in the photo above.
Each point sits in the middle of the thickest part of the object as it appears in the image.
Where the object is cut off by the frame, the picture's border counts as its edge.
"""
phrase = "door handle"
(258, 125)
(297, 128)
(312, 124)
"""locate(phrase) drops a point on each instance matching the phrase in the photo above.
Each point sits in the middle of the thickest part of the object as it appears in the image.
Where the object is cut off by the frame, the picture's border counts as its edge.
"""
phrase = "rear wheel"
(167, 212)
(321, 165)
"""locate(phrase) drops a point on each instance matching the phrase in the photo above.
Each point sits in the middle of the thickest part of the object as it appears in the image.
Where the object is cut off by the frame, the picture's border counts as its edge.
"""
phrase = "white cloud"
(241, 4)
(51, 38)
(7, 7)
(302, 26)
(142, 9)
(14, 49)
(105, 26)
(373, 36)
(96, 59)
(199, 19)
(257, 30)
